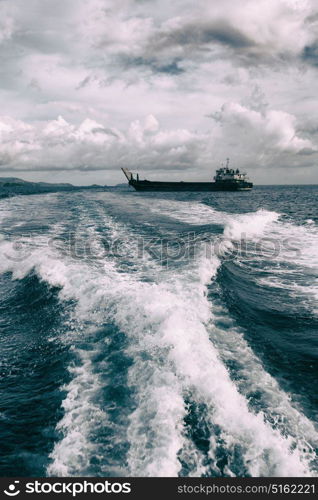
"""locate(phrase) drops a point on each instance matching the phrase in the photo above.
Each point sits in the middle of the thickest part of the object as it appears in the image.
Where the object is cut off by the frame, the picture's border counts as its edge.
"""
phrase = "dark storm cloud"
(195, 41)
(84, 82)
(306, 152)
(106, 65)
(168, 50)
(310, 54)
(102, 130)
(196, 34)
(171, 67)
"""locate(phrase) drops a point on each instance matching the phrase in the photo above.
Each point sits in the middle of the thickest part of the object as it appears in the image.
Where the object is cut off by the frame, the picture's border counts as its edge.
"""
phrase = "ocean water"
(159, 334)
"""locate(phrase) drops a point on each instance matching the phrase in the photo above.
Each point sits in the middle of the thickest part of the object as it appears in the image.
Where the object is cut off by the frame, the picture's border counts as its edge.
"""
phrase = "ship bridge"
(229, 174)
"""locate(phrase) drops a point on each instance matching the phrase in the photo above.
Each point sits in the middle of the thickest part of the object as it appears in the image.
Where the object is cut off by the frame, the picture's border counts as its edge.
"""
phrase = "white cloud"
(7, 23)
(92, 146)
(249, 136)
(270, 130)
(104, 65)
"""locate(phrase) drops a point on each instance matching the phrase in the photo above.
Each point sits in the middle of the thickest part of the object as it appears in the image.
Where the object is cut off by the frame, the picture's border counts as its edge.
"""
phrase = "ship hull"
(190, 186)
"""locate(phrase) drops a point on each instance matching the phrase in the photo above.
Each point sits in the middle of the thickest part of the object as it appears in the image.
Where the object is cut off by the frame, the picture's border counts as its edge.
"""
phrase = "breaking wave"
(162, 380)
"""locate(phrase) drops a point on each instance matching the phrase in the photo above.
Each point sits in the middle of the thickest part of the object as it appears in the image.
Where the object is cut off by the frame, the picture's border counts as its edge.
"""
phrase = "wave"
(283, 254)
(179, 353)
(250, 225)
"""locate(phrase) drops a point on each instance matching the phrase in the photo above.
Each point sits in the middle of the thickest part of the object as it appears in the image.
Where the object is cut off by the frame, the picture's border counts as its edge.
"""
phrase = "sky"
(168, 89)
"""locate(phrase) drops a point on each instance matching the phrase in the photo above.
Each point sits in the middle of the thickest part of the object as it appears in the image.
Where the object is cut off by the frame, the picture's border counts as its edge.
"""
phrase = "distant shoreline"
(10, 187)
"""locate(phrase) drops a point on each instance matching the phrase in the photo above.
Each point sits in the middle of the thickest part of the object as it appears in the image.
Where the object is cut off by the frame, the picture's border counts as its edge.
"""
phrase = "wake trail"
(167, 321)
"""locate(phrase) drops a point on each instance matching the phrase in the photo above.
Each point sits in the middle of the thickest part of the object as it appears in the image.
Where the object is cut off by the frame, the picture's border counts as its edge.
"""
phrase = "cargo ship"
(225, 179)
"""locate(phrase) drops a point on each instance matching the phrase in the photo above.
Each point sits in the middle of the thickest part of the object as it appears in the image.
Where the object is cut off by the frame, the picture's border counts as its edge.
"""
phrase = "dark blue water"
(159, 334)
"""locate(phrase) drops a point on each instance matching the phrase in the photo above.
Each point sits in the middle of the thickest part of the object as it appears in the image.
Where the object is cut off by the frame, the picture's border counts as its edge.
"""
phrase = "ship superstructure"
(229, 174)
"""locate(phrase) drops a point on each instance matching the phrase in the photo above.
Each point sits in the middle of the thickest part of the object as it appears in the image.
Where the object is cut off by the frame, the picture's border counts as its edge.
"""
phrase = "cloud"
(272, 130)
(255, 32)
(7, 24)
(104, 65)
(249, 136)
(60, 145)
(310, 53)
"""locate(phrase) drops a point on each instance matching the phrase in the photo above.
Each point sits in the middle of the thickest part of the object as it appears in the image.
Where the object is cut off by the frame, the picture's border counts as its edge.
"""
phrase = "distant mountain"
(11, 186)
(123, 185)
(11, 180)
(8, 181)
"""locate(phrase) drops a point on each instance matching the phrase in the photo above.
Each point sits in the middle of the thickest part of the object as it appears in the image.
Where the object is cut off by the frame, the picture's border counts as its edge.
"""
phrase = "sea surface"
(159, 334)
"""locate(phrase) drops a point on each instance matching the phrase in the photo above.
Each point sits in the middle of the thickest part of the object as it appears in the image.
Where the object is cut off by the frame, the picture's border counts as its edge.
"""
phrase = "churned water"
(159, 334)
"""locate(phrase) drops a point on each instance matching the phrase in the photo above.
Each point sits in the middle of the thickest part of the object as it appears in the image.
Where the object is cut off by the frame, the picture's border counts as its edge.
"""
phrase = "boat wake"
(163, 381)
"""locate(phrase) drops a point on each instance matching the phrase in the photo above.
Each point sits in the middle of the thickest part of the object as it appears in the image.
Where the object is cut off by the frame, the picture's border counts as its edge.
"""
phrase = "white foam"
(167, 324)
(287, 256)
(82, 417)
(251, 377)
(171, 324)
(267, 452)
(189, 212)
(250, 225)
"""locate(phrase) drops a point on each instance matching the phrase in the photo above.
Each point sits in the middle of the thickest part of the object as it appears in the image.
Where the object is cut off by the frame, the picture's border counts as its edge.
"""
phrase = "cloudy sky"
(166, 88)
